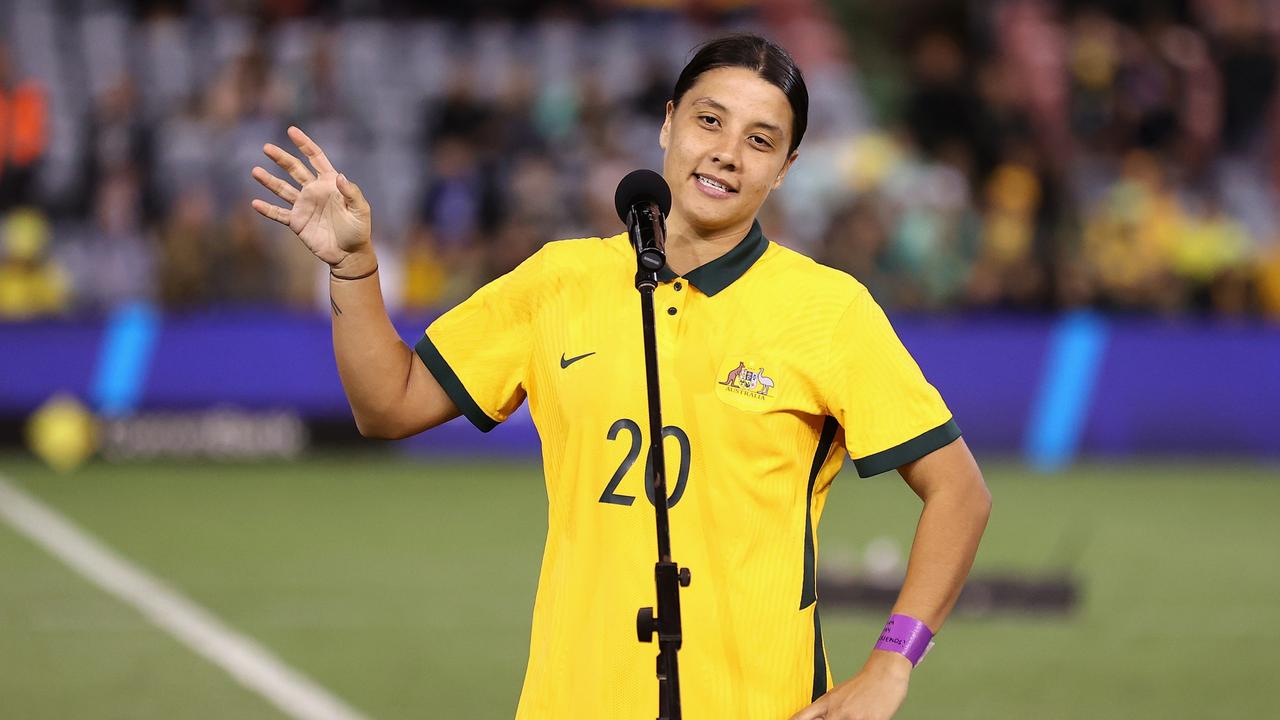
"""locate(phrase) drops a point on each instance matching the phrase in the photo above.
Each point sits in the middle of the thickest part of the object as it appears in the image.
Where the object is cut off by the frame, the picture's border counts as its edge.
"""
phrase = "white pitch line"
(248, 663)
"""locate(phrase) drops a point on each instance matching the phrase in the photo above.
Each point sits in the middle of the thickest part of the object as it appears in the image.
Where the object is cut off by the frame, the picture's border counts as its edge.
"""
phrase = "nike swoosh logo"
(566, 363)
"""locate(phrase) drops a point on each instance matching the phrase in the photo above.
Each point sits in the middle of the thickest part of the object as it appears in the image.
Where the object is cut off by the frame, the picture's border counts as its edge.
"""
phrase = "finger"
(310, 149)
(816, 711)
(271, 212)
(351, 191)
(289, 164)
(282, 189)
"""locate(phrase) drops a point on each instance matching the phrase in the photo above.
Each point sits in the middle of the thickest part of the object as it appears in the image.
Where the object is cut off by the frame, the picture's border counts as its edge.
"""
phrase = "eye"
(709, 120)
(761, 142)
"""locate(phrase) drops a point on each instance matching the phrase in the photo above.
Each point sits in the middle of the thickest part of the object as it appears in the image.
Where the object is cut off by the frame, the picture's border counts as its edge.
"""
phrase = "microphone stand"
(668, 576)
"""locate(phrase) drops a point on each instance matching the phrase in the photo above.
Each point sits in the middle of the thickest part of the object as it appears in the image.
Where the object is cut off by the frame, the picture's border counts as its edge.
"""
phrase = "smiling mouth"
(713, 184)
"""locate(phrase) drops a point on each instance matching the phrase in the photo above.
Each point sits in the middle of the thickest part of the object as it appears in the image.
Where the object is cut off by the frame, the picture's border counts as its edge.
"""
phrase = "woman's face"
(726, 147)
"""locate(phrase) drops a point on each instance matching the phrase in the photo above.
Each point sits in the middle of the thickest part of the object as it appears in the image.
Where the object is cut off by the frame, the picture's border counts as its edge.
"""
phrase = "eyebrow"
(757, 124)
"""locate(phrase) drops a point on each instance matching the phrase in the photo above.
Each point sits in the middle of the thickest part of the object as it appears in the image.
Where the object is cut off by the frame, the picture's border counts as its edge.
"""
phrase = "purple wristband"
(906, 635)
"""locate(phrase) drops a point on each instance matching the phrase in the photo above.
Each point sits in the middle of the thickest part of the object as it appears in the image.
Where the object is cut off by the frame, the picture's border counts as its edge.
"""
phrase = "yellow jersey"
(772, 369)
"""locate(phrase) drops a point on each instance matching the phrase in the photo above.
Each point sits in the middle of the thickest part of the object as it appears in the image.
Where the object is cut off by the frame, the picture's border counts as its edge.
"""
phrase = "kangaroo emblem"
(733, 374)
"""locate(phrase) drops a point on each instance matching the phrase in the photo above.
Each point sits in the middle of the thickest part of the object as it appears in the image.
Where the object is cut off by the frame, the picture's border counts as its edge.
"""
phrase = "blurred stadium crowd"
(1040, 155)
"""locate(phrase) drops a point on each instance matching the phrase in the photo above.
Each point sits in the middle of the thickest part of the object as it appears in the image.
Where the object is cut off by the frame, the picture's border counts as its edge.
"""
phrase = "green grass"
(406, 588)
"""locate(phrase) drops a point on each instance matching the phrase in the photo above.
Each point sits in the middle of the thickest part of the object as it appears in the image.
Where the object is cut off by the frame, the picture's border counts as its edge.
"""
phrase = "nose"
(725, 156)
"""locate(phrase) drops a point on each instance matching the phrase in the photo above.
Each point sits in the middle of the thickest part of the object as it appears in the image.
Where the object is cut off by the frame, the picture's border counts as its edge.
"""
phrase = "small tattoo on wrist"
(336, 310)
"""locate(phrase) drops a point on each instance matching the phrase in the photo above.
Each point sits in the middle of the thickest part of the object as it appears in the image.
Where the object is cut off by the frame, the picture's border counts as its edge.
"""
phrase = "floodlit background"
(1068, 208)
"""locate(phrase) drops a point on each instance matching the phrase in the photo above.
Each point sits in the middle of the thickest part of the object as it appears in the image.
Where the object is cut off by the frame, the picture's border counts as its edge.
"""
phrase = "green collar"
(720, 273)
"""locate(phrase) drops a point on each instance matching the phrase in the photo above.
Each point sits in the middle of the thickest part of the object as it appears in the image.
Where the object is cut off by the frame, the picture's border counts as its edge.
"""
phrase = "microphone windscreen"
(641, 185)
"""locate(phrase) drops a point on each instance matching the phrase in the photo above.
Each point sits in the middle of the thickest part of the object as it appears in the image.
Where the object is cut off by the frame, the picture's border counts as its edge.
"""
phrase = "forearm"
(946, 542)
(942, 553)
(373, 362)
(331, 217)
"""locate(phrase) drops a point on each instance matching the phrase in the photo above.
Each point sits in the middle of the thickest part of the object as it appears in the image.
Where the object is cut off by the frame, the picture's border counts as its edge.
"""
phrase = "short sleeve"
(479, 351)
(890, 414)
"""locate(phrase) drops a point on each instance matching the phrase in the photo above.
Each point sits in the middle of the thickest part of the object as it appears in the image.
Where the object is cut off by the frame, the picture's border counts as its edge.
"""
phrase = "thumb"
(351, 191)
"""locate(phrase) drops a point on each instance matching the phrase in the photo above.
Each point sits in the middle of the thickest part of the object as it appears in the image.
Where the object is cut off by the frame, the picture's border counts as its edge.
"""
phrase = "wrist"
(906, 636)
(358, 264)
(889, 663)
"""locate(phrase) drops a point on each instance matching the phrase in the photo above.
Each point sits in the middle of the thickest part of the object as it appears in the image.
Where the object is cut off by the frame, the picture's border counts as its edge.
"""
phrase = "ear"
(782, 174)
(664, 135)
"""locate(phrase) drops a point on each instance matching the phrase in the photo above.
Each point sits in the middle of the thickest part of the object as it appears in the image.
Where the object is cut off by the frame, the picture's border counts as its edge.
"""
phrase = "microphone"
(643, 201)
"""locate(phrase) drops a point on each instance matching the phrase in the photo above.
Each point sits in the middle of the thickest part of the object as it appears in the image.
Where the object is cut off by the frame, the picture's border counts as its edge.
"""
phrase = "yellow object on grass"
(63, 433)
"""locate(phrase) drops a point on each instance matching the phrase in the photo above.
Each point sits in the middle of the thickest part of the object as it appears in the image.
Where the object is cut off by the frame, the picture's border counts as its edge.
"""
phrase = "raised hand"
(329, 213)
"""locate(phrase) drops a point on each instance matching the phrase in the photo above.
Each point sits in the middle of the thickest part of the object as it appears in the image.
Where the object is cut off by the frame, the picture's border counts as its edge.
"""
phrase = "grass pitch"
(406, 588)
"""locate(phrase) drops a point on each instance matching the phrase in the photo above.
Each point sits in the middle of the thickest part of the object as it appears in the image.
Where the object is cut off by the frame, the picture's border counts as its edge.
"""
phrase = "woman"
(773, 368)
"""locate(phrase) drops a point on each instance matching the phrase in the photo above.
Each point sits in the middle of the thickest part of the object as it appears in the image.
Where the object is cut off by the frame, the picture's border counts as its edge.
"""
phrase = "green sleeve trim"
(453, 387)
(909, 451)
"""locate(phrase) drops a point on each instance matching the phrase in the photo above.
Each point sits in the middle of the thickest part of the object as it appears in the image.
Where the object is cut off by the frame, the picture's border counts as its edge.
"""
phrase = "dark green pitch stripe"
(909, 451)
(453, 387)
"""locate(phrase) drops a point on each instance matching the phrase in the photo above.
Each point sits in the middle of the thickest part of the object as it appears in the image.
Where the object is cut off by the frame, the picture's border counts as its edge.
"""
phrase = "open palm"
(328, 213)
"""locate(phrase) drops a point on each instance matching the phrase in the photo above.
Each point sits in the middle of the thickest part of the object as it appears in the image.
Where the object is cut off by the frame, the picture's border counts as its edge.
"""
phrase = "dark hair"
(764, 57)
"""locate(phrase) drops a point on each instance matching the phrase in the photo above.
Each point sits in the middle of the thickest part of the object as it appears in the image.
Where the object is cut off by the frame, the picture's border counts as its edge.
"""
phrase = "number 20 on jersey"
(612, 496)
